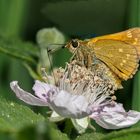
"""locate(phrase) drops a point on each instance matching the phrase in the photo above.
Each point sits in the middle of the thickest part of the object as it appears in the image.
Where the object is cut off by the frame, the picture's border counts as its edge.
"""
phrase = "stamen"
(44, 75)
(114, 97)
(77, 79)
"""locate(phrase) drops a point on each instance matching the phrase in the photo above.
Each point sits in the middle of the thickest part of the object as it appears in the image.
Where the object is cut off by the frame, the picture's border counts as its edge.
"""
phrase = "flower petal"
(115, 117)
(26, 96)
(42, 89)
(68, 105)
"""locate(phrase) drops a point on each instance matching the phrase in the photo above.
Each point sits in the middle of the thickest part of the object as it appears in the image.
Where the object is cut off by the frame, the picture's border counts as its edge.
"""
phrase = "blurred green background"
(21, 19)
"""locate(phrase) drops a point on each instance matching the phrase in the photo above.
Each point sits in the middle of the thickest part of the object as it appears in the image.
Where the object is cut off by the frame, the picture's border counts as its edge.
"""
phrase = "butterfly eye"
(74, 43)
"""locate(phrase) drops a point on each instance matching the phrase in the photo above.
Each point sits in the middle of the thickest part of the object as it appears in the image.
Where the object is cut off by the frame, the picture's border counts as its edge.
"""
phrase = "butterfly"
(120, 52)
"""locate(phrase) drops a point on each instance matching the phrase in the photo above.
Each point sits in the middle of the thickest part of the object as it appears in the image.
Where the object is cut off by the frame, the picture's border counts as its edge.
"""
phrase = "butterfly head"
(73, 45)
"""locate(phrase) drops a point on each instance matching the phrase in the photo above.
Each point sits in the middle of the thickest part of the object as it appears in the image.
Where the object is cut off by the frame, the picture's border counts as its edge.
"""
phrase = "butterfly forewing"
(120, 57)
(131, 36)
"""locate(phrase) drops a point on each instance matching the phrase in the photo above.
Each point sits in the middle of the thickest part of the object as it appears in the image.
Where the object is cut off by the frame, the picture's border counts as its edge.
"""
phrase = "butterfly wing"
(131, 36)
(120, 57)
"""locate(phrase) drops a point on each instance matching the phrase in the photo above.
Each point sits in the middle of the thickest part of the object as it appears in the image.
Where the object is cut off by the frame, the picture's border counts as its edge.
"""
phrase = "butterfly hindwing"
(120, 57)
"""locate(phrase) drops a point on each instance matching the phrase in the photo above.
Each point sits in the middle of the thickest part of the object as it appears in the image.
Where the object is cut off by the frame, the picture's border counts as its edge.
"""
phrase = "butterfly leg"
(89, 61)
(79, 57)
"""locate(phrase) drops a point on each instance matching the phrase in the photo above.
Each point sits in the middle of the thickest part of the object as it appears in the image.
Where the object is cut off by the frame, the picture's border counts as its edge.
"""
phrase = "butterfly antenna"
(51, 66)
(56, 49)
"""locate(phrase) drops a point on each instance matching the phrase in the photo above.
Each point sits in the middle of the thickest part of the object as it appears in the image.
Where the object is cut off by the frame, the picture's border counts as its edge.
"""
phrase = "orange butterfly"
(120, 52)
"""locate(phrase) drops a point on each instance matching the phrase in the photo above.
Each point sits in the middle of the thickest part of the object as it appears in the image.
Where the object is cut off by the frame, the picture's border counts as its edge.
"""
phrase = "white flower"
(115, 117)
(80, 94)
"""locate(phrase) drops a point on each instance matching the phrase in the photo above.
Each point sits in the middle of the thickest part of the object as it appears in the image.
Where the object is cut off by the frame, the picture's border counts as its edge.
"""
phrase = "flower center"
(93, 85)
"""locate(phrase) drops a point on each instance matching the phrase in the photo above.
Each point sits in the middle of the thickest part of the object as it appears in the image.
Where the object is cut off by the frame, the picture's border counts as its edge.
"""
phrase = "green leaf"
(19, 49)
(62, 0)
(129, 137)
(133, 9)
(5, 136)
(90, 136)
(128, 134)
(136, 93)
(134, 21)
(18, 122)
(32, 72)
(43, 130)
(13, 116)
(13, 20)
(125, 134)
